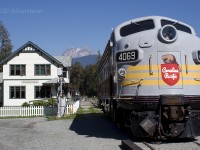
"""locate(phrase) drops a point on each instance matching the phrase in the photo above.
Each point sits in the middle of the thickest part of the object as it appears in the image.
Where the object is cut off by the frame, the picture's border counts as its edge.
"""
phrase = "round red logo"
(170, 73)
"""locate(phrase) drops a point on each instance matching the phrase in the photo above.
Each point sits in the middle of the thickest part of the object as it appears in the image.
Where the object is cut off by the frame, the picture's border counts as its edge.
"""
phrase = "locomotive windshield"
(177, 25)
(135, 27)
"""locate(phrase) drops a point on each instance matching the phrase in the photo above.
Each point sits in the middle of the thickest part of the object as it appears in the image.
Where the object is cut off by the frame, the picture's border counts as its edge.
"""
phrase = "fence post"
(42, 113)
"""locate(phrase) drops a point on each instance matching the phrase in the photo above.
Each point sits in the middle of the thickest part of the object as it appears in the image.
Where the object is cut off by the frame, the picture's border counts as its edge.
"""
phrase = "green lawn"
(81, 110)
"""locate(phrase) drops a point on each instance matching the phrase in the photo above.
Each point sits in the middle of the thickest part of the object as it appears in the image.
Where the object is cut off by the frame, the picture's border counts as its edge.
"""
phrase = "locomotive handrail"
(186, 64)
(197, 79)
(123, 98)
(150, 65)
(133, 82)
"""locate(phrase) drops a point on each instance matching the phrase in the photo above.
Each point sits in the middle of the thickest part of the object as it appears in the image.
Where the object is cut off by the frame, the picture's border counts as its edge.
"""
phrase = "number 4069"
(126, 56)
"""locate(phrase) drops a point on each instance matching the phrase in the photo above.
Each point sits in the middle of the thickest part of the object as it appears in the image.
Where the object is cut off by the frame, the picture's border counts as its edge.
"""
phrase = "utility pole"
(60, 94)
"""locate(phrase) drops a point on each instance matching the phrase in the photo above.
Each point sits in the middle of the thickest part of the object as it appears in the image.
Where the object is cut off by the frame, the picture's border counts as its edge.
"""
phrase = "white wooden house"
(31, 74)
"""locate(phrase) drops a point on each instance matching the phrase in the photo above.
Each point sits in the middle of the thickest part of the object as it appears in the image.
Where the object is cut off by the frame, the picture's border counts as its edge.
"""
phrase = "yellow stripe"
(143, 75)
(134, 72)
(192, 67)
(142, 67)
(156, 67)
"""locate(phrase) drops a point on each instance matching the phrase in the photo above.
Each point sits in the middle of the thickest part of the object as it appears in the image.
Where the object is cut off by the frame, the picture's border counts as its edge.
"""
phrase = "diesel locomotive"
(149, 78)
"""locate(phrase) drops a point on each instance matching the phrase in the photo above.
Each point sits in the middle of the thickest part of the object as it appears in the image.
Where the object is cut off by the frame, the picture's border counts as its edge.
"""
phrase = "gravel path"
(88, 132)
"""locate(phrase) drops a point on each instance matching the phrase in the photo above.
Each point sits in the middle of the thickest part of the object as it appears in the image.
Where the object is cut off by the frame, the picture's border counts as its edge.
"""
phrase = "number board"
(127, 56)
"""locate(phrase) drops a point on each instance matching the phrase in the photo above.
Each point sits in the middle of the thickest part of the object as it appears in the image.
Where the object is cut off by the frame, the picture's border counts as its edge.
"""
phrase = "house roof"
(1, 77)
(55, 81)
(29, 47)
(52, 81)
(65, 60)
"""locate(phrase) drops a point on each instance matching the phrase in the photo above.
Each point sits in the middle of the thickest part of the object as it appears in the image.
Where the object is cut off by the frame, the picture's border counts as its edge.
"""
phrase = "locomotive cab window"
(135, 27)
(177, 25)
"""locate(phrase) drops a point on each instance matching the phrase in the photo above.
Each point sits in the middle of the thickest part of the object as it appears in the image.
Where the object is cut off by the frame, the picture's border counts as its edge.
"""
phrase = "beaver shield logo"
(170, 73)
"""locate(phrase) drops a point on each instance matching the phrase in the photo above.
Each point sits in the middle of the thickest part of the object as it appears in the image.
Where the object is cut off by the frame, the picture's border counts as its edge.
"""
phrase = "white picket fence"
(36, 110)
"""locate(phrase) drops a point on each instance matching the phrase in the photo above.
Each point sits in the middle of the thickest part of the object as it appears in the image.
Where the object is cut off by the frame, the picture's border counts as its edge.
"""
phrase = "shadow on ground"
(97, 125)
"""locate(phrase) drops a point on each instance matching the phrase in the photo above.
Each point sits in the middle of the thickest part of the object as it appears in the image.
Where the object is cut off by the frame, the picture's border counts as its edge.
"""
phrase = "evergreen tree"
(98, 59)
(6, 46)
(85, 79)
(90, 79)
(76, 76)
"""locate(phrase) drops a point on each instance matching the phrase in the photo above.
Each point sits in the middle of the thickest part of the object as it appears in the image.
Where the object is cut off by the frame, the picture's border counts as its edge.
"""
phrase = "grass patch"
(80, 111)
(95, 110)
(13, 117)
(89, 110)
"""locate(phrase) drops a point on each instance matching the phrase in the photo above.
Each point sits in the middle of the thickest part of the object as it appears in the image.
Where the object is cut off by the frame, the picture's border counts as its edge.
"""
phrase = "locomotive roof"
(156, 21)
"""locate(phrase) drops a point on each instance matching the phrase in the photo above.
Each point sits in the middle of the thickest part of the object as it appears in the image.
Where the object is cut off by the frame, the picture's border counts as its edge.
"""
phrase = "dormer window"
(17, 70)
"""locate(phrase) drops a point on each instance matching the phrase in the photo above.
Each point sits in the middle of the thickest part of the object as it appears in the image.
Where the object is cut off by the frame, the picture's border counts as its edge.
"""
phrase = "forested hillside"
(85, 79)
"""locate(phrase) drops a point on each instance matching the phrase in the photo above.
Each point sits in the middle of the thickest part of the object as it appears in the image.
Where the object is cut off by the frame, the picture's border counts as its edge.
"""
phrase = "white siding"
(29, 59)
(29, 80)
(29, 91)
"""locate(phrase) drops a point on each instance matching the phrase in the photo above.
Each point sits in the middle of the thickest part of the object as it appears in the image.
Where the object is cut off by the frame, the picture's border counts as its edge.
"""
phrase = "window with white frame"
(17, 92)
(42, 70)
(17, 70)
(42, 91)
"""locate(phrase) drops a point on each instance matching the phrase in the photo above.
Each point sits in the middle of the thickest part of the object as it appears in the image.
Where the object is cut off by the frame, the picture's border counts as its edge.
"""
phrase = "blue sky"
(58, 25)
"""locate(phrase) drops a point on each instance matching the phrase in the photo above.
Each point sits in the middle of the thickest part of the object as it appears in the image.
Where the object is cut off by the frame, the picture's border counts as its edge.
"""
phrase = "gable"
(30, 47)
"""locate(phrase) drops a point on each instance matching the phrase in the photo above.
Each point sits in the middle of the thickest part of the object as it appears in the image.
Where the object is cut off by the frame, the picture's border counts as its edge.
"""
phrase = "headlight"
(196, 56)
(168, 33)
(122, 72)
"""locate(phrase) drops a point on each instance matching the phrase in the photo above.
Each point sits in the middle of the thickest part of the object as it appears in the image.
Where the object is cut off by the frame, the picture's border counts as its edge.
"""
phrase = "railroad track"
(197, 143)
(130, 145)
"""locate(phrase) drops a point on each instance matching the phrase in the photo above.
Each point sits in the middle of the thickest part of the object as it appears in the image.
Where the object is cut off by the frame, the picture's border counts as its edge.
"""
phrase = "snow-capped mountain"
(82, 55)
(77, 52)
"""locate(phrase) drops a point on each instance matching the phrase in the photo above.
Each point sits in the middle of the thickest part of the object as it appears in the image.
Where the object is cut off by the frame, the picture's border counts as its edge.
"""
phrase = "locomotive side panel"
(105, 80)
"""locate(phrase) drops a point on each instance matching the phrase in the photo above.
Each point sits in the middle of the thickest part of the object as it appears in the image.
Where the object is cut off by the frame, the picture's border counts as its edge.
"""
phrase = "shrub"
(51, 102)
(25, 104)
(40, 103)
